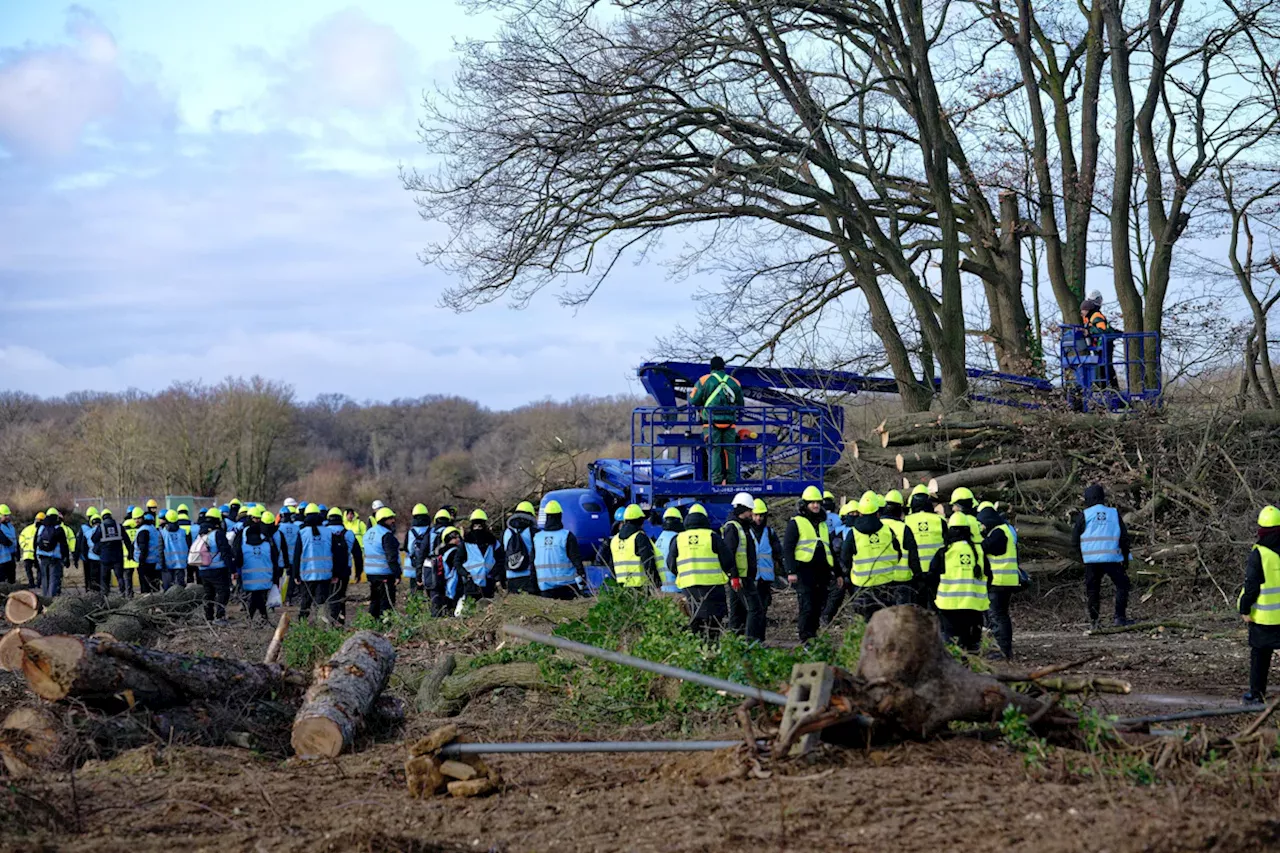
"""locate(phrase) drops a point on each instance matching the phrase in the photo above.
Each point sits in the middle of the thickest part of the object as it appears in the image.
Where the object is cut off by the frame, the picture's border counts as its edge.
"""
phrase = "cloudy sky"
(201, 189)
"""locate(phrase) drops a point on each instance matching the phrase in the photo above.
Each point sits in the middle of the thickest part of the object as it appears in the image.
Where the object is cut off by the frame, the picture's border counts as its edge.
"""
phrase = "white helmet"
(743, 499)
(290, 502)
(377, 505)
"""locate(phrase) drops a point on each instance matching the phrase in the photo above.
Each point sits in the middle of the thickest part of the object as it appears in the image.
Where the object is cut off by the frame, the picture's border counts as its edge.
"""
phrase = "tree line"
(251, 438)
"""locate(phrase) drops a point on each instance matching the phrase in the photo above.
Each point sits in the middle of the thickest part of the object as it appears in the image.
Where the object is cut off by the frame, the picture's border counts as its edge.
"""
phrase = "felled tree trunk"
(457, 690)
(23, 605)
(914, 688)
(11, 648)
(345, 690)
(35, 739)
(113, 674)
(943, 485)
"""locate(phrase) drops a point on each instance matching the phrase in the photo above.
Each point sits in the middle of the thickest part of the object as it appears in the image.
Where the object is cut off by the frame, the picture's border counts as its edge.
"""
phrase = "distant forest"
(252, 439)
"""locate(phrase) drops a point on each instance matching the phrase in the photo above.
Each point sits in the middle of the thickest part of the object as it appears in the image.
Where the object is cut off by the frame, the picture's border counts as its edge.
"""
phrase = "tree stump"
(345, 690)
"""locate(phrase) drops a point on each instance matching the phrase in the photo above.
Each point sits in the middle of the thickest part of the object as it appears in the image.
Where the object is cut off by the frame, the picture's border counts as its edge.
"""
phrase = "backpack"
(47, 540)
(517, 552)
(199, 553)
(421, 550)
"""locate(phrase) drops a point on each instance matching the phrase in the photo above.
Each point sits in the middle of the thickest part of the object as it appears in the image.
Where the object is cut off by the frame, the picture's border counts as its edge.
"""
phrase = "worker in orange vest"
(1098, 334)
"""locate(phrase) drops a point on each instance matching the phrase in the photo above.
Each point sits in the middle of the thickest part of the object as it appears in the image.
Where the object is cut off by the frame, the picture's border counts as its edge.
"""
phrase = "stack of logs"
(427, 774)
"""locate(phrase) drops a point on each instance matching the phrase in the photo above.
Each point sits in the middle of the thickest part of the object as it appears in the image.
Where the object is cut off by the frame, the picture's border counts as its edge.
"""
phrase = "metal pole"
(454, 750)
(768, 696)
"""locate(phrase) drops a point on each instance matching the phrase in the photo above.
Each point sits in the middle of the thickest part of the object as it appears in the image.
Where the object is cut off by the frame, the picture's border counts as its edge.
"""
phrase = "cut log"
(39, 739)
(113, 674)
(1046, 538)
(277, 640)
(874, 455)
(345, 690)
(1172, 552)
(11, 648)
(457, 690)
(941, 460)
(23, 605)
(922, 435)
(970, 477)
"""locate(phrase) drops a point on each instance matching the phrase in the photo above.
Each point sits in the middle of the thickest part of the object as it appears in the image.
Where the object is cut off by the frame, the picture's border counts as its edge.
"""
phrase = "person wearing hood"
(630, 555)
(478, 577)
(961, 573)
(874, 559)
(557, 560)
(928, 531)
(891, 513)
(54, 552)
(963, 503)
(450, 566)
(746, 612)
(1102, 541)
(8, 547)
(348, 563)
(806, 550)
(382, 561)
(109, 541)
(672, 524)
(1260, 602)
(1000, 544)
(417, 547)
(702, 566)
(314, 558)
(518, 549)
(768, 552)
(259, 563)
(175, 546)
(216, 577)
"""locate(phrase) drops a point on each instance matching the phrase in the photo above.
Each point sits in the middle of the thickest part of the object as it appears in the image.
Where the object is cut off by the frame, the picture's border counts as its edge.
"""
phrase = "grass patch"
(308, 643)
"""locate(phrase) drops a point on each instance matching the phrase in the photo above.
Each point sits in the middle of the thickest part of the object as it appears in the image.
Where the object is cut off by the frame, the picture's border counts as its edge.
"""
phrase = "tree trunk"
(23, 606)
(345, 690)
(942, 486)
(457, 690)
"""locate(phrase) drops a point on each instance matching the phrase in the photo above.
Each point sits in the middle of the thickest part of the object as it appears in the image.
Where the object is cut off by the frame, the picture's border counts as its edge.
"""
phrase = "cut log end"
(28, 737)
(49, 665)
(317, 737)
(22, 606)
(11, 648)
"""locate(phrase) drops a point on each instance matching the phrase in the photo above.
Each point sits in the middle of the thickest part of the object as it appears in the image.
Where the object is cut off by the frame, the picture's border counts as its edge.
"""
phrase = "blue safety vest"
(1100, 542)
(56, 553)
(478, 564)
(255, 565)
(376, 558)
(450, 575)
(215, 553)
(661, 547)
(317, 554)
(411, 545)
(86, 531)
(153, 546)
(8, 552)
(836, 525)
(552, 560)
(526, 536)
(347, 537)
(176, 549)
(289, 530)
(764, 555)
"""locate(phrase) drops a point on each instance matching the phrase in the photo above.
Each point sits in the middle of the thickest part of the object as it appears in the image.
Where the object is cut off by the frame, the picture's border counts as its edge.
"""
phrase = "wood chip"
(459, 770)
(435, 740)
(472, 788)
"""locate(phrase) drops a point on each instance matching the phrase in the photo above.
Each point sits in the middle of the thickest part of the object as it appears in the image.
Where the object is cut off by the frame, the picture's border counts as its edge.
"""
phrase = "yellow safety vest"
(627, 567)
(928, 529)
(1266, 610)
(899, 528)
(739, 558)
(1004, 569)
(876, 562)
(697, 563)
(71, 540)
(130, 530)
(27, 541)
(959, 589)
(807, 544)
(975, 527)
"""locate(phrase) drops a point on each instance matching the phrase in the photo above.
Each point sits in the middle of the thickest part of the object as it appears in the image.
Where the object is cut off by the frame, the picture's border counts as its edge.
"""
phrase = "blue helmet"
(618, 513)
(131, 508)
(148, 517)
(225, 508)
(323, 509)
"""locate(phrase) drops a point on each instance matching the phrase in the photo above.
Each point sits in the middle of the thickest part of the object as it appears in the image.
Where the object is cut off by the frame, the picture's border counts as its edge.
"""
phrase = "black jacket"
(698, 521)
(142, 542)
(995, 542)
(644, 550)
(1260, 636)
(109, 552)
(730, 534)
(791, 536)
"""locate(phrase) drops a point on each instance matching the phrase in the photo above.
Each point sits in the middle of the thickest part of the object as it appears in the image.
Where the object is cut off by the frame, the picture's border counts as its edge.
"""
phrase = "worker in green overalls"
(719, 396)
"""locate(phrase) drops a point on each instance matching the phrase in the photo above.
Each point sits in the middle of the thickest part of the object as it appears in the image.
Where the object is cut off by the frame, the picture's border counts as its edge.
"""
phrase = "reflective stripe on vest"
(1004, 568)
(91, 550)
(176, 549)
(1100, 542)
(697, 563)
(959, 589)
(316, 563)
(215, 553)
(739, 556)
(478, 564)
(1266, 610)
(290, 530)
(661, 547)
(764, 555)
(807, 544)
(255, 572)
(899, 528)
(876, 560)
(152, 557)
(627, 568)
(375, 556)
(552, 559)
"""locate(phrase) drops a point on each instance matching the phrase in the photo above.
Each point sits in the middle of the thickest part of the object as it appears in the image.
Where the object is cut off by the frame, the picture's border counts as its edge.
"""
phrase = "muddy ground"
(957, 794)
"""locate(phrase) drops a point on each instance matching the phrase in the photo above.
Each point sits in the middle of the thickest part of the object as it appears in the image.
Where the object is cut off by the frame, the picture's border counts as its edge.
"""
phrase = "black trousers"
(148, 578)
(338, 601)
(9, 571)
(527, 586)
(382, 594)
(1093, 573)
(92, 570)
(172, 577)
(29, 566)
(258, 602)
(217, 589)
(963, 627)
(709, 608)
(764, 589)
(746, 611)
(1259, 669)
(313, 592)
(562, 593)
(295, 586)
(107, 571)
(812, 589)
(998, 617)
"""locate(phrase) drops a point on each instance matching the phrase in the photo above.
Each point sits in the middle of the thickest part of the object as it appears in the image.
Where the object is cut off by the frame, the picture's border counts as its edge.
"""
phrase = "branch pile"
(143, 619)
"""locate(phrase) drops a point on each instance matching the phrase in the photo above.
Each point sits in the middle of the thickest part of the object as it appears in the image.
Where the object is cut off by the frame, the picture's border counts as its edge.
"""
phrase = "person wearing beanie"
(557, 561)
(746, 612)
(960, 573)
(1260, 602)
(518, 549)
(702, 566)
(718, 396)
(1102, 541)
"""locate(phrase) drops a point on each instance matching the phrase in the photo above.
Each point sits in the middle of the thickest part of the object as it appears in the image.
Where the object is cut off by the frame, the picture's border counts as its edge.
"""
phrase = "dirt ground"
(957, 794)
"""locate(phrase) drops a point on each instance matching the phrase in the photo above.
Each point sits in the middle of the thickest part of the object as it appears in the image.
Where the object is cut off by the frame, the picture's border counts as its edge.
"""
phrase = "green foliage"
(656, 629)
(411, 620)
(1016, 728)
(308, 643)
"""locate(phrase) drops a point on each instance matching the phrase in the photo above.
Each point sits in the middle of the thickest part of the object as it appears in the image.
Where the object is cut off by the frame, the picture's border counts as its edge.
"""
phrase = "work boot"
(1095, 625)
(1253, 699)
(1122, 621)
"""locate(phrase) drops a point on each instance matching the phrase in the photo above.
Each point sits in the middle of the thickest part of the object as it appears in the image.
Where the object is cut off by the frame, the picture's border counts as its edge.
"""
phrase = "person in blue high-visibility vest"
(345, 570)
(9, 547)
(450, 565)
(557, 561)
(146, 550)
(672, 526)
(1102, 541)
(315, 559)
(259, 561)
(86, 552)
(215, 576)
(175, 546)
(417, 548)
(480, 578)
(768, 554)
(518, 550)
(382, 561)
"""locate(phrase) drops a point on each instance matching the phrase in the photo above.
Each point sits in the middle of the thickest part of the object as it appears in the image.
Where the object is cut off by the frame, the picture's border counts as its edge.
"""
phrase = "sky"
(196, 190)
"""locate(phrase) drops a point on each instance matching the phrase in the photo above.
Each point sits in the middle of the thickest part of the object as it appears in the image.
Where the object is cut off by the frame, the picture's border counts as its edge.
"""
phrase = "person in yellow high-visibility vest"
(1260, 602)
(961, 573)
(873, 555)
(806, 549)
(928, 530)
(702, 566)
(630, 554)
(1000, 544)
